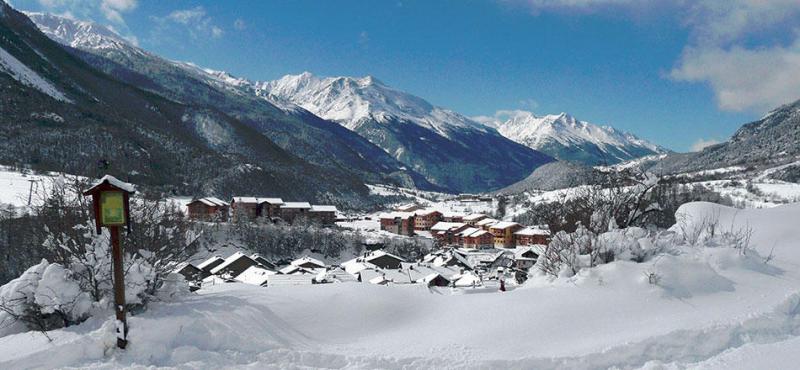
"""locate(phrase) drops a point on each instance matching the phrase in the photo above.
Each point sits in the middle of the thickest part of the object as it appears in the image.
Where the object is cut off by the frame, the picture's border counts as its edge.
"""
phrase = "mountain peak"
(80, 34)
(565, 137)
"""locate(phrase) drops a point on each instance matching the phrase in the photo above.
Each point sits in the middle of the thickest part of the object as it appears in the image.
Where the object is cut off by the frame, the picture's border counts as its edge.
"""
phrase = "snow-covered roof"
(319, 208)
(472, 232)
(380, 253)
(474, 217)
(529, 231)
(307, 259)
(431, 277)
(486, 221)
(211, 202)
(228, 261)
(111, 180)
(293, 269)
(245, 200)
(445, 226)
(426, 212)
(273, 201)
(468, 231)
(453, 214)
(503, 225)
(379, 280)
(297, 205)
(255, 275)
(538, 249)
(392, 215)
(209, 261)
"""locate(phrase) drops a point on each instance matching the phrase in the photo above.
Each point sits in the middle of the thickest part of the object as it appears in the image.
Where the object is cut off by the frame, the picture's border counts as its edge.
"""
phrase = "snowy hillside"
(564, 137)
(711, 307)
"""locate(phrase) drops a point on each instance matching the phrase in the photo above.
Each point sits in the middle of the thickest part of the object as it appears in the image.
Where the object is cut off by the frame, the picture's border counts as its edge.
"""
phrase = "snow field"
(711, 306)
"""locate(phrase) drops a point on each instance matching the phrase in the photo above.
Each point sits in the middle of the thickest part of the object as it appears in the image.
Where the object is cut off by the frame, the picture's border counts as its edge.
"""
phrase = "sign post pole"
(111, 206)
(119, 288)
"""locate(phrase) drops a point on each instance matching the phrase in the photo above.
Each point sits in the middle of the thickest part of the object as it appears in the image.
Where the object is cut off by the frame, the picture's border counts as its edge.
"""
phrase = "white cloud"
(239, 24)
(701, 144)
(188, 15)
(725, 50)
(744, 79)
(111, 10)
(195, 20)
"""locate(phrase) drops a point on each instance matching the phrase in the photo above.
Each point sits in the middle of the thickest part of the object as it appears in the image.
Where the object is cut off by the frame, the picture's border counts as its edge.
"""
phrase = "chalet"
(290, 211)
(503, 233)
(453, 217)
(297, 270)
(244, 208)
(269, 207)
(308, 263)
(410, 207)
(384, 260)
(424, 219)
(532, 236)
(191, 273)
(263, 262)
(473, 219)
(234, 265)
(445, 232)
(476, 238)
(323, 214)
(208, 209)
(525, 257)
(436, 279)
(255, 275)
(401, 223)
(485, 223)
(210, 264)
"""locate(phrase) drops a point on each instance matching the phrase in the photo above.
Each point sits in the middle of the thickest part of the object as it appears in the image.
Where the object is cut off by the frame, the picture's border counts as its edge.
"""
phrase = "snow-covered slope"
(20, 72)
(566, 138)
(710, 306)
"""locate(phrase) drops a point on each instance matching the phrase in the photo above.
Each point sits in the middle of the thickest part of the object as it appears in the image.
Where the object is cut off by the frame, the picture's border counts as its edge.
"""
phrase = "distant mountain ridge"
(451, 150)
(771, 140)
(566, 138)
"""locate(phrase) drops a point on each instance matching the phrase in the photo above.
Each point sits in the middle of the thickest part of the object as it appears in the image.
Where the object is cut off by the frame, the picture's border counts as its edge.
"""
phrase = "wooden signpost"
(111, 207)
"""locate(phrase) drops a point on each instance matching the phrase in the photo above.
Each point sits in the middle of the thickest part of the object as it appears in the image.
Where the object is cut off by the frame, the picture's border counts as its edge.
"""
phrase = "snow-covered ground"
(712, 308)
(17, 187)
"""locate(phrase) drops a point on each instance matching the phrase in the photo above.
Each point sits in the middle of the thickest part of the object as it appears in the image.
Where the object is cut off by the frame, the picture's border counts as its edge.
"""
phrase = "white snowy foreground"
(712, 308)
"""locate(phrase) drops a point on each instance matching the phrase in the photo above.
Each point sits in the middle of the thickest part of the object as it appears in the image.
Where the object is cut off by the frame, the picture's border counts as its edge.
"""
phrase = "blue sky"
(680, 73)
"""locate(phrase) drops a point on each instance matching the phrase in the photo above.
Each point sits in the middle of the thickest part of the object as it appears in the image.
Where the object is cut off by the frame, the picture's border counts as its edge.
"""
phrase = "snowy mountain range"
(451, 150)
(566, 138)
(354, 101)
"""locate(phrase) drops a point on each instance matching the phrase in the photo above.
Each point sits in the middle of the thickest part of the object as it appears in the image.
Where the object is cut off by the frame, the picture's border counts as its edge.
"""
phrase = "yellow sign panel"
(112, 208)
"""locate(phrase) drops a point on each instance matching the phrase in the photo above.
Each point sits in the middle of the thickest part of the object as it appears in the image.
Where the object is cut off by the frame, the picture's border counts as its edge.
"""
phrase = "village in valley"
(467, 250)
